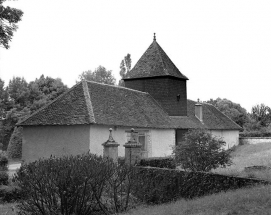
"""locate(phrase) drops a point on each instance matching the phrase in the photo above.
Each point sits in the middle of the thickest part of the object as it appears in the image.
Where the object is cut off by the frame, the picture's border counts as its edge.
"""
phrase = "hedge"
(255, 134)
(160, 162)
(155, 185)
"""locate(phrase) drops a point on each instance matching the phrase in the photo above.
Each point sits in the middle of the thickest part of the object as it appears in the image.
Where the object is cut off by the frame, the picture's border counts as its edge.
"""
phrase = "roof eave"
(156, 76)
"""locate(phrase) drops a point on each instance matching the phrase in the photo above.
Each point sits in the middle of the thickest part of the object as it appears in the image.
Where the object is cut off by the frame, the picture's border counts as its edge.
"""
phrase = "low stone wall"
(253, 140)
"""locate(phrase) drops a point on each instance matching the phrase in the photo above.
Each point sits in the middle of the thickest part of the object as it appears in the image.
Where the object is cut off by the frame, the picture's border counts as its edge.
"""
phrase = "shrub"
(15, 144)
(83, 184)
(200, 151)
(10, 193)
(3, 178)
(155, 185)
(161, 162)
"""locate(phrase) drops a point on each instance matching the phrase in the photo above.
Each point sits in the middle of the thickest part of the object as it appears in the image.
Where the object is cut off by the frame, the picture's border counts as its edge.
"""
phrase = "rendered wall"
(231, 137)
(99, 134)
(44, 141)
(160, 141)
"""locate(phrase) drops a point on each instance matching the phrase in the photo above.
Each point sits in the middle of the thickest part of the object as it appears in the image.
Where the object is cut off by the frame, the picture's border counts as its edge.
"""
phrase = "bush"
(10, 193)
(161, 162)
(3, 178)
(15, 144)
(155, 185)
(200, 151)
(83, 184)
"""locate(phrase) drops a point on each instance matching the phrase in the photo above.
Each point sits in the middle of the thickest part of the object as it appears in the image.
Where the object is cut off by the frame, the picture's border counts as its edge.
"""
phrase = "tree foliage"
(233, 110)
(43, 90)
(9, 17)
(125, 67)
(20, 98)
(261, 114)
(100, 74)
(200, 151)
(14, 149)
(18, 92)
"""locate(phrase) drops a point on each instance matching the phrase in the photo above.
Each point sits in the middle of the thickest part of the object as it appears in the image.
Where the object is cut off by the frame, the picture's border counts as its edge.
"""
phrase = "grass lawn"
(256, 200)
(250, 155)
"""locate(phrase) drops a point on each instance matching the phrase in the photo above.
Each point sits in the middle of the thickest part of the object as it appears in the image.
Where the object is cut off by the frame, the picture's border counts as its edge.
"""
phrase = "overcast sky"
(223, 47)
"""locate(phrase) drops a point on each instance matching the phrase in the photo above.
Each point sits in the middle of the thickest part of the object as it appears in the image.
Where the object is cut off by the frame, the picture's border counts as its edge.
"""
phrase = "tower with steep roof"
(156, 74)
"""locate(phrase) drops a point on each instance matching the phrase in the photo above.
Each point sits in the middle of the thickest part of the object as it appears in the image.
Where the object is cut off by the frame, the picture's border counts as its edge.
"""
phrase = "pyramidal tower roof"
(154, 63)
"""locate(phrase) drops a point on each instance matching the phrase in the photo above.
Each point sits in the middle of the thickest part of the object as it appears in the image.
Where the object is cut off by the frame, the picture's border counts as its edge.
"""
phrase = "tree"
(43, 90)
(9, 17)
(200, 151)
(100, 74)
(19, 92)
(21, 99)
(125, 67)
(12, 117)
(5, 104)
(233, 110)
(261, 114)
(14, 149)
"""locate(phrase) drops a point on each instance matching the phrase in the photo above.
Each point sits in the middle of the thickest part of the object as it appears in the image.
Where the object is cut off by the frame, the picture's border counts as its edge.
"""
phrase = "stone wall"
(253, 140)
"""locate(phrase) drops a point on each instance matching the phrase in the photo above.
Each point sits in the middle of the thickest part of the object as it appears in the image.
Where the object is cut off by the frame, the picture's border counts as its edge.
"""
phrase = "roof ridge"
(121, 87)
(154, 63)
(45, 106)
(223, 114)
(88, 102)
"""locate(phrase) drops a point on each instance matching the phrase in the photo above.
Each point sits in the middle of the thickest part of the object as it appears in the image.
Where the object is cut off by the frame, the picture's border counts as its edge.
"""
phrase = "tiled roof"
(212, 119)
(95, 103)
(154, 63)
(68, 109)
(215, 119)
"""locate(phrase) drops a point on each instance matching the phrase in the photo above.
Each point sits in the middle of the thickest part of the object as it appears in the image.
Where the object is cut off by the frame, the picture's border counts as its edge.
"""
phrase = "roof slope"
(68, 109)
(154, 63)
(95, 103)
(213, 119)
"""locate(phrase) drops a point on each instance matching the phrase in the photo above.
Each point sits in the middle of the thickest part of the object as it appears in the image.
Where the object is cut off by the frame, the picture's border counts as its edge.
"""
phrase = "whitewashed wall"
(44, 141)
(160, 141)
(231, 137)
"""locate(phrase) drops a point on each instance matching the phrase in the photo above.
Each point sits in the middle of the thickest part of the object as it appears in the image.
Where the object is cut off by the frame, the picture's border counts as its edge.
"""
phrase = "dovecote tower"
(156, 74)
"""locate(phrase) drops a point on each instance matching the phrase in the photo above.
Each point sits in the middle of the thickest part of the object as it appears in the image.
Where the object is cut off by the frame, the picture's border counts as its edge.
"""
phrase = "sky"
(223, 47)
